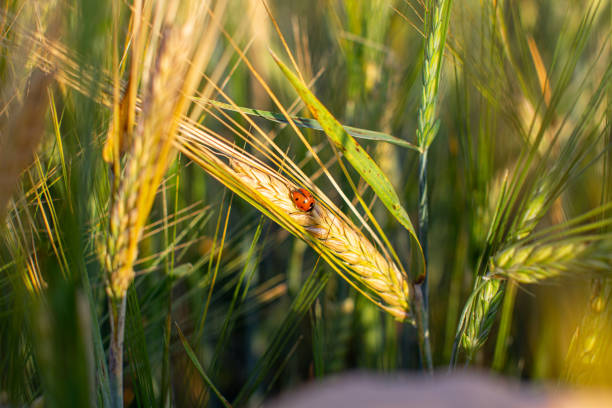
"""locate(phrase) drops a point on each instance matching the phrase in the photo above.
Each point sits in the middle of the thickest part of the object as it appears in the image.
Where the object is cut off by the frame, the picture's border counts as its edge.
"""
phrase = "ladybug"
(303, 199)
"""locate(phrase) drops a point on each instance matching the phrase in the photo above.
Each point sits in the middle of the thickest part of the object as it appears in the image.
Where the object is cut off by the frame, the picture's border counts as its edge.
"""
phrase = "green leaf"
(355, 154)
(136, 348)
(284, 334)
(198, 366)
(313, 124)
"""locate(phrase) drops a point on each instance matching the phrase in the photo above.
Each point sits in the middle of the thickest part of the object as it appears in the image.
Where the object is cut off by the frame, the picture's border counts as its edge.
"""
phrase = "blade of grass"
(198, 366)
(501, 345)
(217, 264)
(136, 348)
(313, 124)
(240, 292)
(171, 273)
(283, 335)
(318, 340)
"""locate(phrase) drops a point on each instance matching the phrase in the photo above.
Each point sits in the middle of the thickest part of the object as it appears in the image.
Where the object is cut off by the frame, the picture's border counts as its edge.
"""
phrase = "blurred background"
(259, 311)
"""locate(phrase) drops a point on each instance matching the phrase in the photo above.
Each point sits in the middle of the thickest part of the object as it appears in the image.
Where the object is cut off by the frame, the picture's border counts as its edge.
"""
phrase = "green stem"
(422, 288)
(424, 219)
(165, 382)
(501, 345)
(115, 354)
(422, 323)
(436, 26)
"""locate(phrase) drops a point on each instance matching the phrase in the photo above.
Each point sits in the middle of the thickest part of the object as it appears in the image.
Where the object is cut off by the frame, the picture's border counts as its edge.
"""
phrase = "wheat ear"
(177, 44)
(324, 227)
(533, 263)
(149, 156)
(484, 305)
(339, 236)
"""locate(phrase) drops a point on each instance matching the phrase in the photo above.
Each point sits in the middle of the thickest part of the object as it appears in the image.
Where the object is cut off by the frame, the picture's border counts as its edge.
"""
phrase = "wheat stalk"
(426, 132)
(134, 190)
(528, 262)
(577, 250)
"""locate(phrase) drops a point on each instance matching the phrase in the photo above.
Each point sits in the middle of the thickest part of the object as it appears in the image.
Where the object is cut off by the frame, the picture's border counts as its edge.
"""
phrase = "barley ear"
(537, 262)
(483, 308)
(337, 237)
(434, 50)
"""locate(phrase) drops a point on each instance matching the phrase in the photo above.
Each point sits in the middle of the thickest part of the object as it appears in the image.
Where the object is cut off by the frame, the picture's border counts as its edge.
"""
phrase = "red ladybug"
(303, 199)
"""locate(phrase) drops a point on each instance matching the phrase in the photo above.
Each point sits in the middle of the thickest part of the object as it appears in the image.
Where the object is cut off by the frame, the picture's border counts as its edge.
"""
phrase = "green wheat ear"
(428, 125)
(482, 312)
(534, 263)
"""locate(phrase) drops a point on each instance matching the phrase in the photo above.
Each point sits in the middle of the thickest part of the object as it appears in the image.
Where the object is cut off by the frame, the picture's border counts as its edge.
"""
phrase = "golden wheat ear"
(324, 227)
(340, 237)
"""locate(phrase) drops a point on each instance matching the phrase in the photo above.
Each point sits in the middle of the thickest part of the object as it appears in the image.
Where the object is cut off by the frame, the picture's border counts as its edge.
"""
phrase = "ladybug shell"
(303, 199)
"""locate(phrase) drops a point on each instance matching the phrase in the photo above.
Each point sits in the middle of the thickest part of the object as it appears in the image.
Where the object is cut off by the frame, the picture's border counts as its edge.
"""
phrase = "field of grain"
(217, 202)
